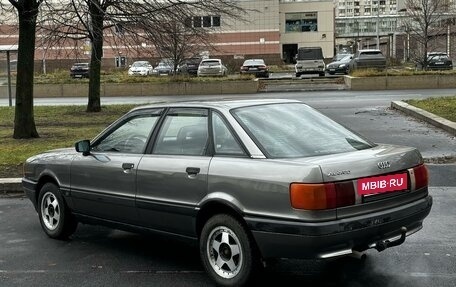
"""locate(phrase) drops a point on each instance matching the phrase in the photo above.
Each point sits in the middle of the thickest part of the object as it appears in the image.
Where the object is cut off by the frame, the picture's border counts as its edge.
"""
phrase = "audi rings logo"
(383, 164)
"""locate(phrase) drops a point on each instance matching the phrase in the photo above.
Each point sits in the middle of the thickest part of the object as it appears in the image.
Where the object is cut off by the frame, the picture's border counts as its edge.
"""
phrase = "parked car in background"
(142, 68)
(340, 56)
(340, 66)
(369, 58)
(80, 70)
(246, 180)
(189, 66)
(309, 60)
(212, 67)
(439, 61)
(164, 67)
(255, 67)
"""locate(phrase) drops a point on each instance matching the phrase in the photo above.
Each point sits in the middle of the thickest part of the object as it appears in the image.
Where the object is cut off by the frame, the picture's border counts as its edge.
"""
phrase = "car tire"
(55, 218)
(221, 237)
(298, 75)
(321, 74)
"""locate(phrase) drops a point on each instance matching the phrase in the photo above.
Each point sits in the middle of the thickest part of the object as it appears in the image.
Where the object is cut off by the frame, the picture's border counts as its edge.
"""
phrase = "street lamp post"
(377, 28)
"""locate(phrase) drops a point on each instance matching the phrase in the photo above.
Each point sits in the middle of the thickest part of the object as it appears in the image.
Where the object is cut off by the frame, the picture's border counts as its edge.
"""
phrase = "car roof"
(217, 104)
(370, 50)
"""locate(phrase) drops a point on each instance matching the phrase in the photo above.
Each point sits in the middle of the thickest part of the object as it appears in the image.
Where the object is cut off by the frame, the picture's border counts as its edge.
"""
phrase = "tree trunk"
(97, 53)
(24, 122)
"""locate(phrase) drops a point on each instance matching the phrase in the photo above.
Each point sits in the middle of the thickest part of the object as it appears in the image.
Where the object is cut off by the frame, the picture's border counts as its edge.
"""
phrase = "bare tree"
(137, 19)
(177, 41)
(425, 21)
(24, 122)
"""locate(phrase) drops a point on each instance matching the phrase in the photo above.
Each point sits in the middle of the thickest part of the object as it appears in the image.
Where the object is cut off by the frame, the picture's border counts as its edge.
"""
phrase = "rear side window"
(296, 130)
(184, 132)
(224, 141)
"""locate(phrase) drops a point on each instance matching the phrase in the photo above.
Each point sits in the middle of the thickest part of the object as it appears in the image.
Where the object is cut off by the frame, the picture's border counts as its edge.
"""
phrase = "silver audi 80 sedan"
(247, 180)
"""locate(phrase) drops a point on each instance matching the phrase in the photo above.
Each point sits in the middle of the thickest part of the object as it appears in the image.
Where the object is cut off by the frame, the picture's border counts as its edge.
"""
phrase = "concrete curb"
(13, 186)
(10, 186)
(423, 115)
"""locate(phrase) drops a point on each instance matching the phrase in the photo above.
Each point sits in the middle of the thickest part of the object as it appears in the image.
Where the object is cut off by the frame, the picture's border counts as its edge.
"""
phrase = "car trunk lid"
(374, 179)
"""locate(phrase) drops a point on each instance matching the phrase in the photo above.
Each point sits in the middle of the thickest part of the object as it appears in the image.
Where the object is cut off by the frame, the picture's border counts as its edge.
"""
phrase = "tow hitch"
(383, 244)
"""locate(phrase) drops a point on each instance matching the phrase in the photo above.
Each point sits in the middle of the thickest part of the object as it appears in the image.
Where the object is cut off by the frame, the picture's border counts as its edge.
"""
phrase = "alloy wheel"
(50, 211)
(224, 252)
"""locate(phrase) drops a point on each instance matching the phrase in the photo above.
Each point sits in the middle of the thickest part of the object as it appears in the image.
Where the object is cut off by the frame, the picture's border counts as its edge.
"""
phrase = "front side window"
(130, 137)
(296, 130)
(184, 132)
(224, 141)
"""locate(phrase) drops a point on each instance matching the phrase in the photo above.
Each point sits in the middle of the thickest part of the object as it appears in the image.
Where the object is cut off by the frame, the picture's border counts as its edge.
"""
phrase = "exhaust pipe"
(362, 256)
(383, 244)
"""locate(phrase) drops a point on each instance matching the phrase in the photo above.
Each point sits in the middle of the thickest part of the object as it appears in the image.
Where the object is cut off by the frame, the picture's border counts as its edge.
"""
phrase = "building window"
(203, 21)
(196, 22)
(301, 22)
(215, 21)
(206, 21)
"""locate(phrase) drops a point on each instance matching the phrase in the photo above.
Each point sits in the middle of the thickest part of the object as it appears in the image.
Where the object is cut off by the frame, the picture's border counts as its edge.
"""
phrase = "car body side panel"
(101, 187)
(167, 196)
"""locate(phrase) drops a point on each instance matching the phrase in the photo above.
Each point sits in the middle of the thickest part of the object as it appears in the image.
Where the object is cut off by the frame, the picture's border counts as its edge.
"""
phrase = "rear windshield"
(310, 54)
(296, 130)
(253, 62)
(371, 53)
(438, 58)
(140, 64)
(210, 63)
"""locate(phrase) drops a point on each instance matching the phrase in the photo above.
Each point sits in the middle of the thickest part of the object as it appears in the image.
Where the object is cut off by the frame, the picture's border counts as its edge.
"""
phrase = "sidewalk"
(13, 187)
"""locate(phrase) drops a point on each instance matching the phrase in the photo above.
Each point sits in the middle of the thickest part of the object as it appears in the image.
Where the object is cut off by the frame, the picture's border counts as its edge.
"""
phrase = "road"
(97, 256)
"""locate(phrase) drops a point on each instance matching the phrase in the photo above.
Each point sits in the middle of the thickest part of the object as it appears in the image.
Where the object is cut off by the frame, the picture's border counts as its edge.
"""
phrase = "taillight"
(313, 196)
(244, 68)
(318, 196)
(263, 67)
(421, 176)
(345, 193)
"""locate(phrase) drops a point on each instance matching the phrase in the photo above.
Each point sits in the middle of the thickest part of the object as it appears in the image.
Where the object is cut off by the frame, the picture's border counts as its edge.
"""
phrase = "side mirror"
(83, 146)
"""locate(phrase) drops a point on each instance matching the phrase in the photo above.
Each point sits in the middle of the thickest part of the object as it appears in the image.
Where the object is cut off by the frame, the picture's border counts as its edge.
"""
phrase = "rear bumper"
(256, 73)
(337, 70)
(83, 74)
(288, 239)
(310, 70)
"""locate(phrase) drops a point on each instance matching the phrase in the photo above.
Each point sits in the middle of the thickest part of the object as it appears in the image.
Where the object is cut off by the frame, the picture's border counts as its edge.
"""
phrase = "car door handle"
(127, 165)
(192, 170)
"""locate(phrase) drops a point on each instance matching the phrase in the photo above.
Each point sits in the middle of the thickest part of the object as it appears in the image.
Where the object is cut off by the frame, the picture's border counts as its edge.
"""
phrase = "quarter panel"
(261, 186)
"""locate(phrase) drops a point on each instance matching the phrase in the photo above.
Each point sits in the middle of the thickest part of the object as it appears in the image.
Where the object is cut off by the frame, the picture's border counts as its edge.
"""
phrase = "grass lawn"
(58, 126)
(444, 107)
